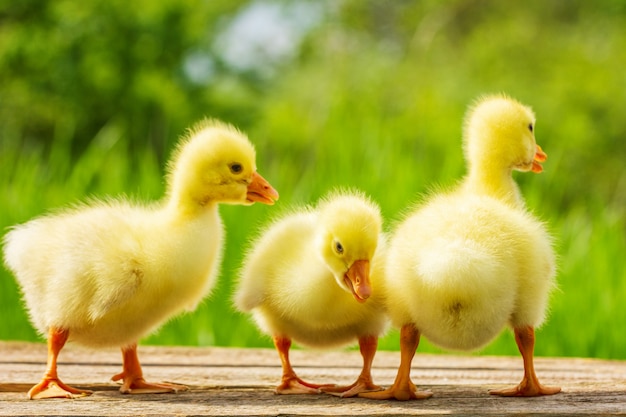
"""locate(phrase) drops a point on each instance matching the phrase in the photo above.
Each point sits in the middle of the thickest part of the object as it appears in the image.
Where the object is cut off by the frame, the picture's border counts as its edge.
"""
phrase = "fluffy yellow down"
(110, 272)
(292, 278)
(466, 262)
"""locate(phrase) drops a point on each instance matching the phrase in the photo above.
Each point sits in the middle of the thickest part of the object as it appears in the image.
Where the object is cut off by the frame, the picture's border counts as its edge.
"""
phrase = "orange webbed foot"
(530, 386)
(54, 388)
(400, 392)
(138, 385)
(526, 390)
(294, 385)
(132, 376)
(403, 389)
(361, 385)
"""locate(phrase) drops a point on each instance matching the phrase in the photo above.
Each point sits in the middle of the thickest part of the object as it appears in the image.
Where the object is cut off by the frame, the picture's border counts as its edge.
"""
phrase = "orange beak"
(540, 156)
(259, 190)
(358, 280)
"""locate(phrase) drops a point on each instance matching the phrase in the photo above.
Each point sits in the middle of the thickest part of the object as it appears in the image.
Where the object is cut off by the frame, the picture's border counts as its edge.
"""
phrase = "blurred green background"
(360, 93)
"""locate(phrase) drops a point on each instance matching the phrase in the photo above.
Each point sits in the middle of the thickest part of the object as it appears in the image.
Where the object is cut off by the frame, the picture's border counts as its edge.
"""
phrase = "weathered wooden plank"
(240, 382)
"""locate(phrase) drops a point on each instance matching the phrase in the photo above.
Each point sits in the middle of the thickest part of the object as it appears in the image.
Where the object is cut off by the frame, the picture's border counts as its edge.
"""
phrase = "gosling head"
(499, 134)
(349, 226)
(216, 163)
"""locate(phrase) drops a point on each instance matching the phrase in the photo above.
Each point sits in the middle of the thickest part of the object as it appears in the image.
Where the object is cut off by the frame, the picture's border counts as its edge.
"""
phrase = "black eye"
(530, 127)
(236, 168)
(338, 248)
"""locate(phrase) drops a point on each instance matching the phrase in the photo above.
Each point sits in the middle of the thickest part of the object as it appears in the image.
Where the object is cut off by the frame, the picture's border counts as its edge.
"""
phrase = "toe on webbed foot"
(297, 386)
(525, 390)
(397, 394)
(352, 390)
(140, 386)
(54, 388)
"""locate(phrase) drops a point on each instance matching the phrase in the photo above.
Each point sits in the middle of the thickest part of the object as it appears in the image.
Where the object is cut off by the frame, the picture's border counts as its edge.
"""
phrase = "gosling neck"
(496, 183)
(185, 206)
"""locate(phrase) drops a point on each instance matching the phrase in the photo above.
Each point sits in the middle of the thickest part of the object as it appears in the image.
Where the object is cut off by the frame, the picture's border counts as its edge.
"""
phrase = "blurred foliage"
(411, 68)
(70, 68)
(94, 94)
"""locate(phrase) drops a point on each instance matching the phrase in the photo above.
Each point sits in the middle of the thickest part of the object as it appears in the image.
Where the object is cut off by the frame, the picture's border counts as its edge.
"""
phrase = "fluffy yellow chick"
(465, 263)
(111, 272)
(316, 277)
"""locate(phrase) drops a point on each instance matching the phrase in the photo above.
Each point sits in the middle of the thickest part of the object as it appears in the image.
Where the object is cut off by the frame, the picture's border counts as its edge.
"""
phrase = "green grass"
(587, 313)
(384, 115)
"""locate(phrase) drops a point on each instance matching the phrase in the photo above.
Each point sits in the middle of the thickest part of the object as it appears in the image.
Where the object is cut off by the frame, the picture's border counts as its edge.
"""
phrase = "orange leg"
(364, 383)
(290, 382)
(403, 388)
(132, 376)
(530, 386)
(50, 385)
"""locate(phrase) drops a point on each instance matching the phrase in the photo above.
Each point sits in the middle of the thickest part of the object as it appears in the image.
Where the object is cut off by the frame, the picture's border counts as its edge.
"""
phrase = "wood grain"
(240, 382)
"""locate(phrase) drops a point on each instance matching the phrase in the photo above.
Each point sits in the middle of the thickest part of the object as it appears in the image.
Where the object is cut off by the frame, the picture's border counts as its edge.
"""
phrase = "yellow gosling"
(315, 276)
(110, 272)
(469, 261)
